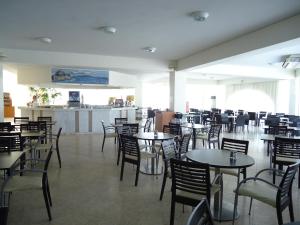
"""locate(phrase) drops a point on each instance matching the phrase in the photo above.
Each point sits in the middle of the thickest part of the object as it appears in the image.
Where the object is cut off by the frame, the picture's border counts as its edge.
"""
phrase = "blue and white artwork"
(79, 76)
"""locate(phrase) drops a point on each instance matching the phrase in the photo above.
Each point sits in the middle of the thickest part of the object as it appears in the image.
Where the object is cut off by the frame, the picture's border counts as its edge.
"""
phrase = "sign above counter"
(79, 76)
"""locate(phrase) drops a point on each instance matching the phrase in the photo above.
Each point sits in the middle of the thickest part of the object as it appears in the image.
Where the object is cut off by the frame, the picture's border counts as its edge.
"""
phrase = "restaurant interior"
(160, 112)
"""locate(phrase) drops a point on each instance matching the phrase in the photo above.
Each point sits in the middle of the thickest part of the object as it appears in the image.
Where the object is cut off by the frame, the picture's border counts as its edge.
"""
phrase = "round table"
(220, 159)
(150, 136)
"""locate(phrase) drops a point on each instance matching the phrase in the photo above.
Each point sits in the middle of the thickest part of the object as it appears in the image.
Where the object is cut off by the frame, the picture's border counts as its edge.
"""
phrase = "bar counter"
(79, 120)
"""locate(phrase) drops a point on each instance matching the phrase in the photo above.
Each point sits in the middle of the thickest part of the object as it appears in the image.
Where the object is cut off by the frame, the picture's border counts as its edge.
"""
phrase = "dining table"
(153, 137)
(9, 159)
(221, 159)
(196, 128)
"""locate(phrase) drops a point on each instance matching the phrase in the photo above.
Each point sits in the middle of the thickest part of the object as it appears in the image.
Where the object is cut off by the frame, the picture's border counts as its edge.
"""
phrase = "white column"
(292, 97)
(297, 93)
(177, 83)
(1, 95)
(139, 94)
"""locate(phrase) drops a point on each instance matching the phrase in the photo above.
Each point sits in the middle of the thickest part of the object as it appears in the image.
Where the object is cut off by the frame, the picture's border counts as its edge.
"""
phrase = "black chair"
(169, 151)
(277, 130)
(212, 136)
(235, 145)
(108, 132)
(253, 117)
(5, 127)
(240, 122)
(175, 129)
(190, 183)
(119, 121)
(45, 118)
(286, 152)
(201, 214)
(47, 146)
(184, 145)
(132, 127)
(22, 183)
(10, 142)
(147, 126)
(279, 197)
(130, 154)
(225, 120)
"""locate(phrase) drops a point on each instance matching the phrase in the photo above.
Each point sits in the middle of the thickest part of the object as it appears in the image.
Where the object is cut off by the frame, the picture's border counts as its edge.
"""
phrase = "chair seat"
(111, 135)
(214, 188)
(288, 160)
(232, 172)
(43, 146)
(202, 136)
(260, 191)
(131, 157)
(20, 183)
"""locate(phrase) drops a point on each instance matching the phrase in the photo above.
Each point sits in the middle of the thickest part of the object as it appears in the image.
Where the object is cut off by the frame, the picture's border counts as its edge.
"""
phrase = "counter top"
(75, 108)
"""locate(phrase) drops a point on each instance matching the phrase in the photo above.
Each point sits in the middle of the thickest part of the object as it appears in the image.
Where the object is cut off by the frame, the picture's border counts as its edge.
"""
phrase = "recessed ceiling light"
(199, 15)
(45, 40)
(108, 29)
(150, 49)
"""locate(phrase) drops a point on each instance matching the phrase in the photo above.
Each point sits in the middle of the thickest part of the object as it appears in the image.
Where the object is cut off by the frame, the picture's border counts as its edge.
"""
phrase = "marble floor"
(87, 190)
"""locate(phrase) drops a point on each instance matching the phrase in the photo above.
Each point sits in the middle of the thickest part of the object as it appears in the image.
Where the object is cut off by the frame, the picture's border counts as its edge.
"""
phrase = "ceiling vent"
(291, 61)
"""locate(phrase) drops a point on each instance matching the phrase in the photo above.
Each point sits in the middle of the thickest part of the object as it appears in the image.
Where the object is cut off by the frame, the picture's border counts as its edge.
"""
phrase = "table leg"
(152, 169)
(226, 212)
(194, 139)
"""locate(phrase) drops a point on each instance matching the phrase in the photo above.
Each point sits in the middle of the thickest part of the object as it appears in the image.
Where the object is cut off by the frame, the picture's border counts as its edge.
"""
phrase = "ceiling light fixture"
(108, 29)
(45, 40)
(200, 15)
(149, 49)
(291, 61)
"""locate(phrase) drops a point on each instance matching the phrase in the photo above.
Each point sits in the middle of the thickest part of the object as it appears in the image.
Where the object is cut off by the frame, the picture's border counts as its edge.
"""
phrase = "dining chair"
(119, 121)
(37, 181)
(130, 154)
(108, 132)
(210, 137)
(48, 146)
(240, 122)
(183, 146)
(277, 130)
(201, 215)
(147, 126)
(235, 145)
(279, 197)
(5, 127)
(132, 127)
(190, 183)
(169, 150)
(286, 152)
(10, 142)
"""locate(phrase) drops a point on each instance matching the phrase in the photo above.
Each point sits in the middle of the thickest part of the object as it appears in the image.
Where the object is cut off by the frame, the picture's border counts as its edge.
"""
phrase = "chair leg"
(58, 156)
(122, 169)
(279, 216)
(250, 207)
(235, 206)
(47, 203)
(291, 211)
(103, 143)
(299, 178)
(274, 174)
(137, 174)
(49, 195)
(163, 185)
(172, 212)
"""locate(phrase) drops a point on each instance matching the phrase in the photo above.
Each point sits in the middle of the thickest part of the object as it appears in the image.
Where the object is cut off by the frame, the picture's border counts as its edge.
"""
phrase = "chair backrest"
(175, 128)
(10, 142)
(224, 118)
(262, 114)
(252, 115)
(45, 118)
(120, 121)
(190, 177)
(169, 151)
(240, 120)
(285, 187)
(148, 124)
(287, 148)
(132, 127)
(130, 147)
(184, 143)
(272, 120)
(277, 130)
(103, 127)
(235, 145)
(58, 136)
(5, 127)
(214, 131)
(23, 119)
(34, 126)
(201, 214)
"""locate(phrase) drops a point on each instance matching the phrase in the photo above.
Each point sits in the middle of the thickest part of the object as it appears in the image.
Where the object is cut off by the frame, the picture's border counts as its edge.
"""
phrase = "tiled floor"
(87, 190)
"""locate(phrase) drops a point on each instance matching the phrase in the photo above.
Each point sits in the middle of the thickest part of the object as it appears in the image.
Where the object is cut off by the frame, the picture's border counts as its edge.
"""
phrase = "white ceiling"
(165, 24)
